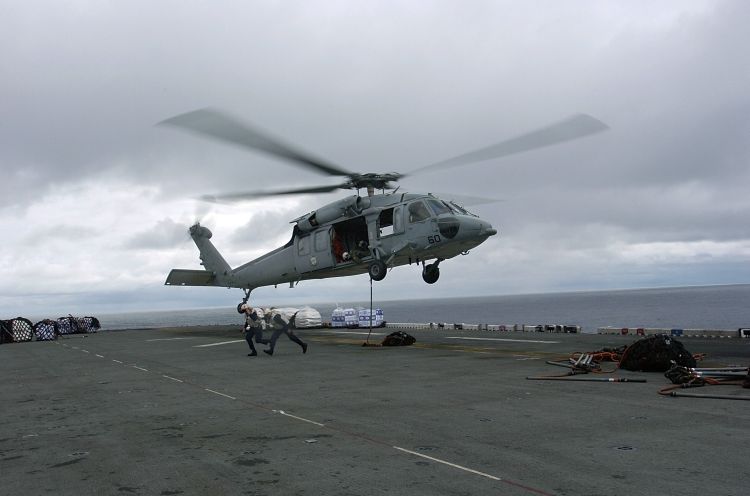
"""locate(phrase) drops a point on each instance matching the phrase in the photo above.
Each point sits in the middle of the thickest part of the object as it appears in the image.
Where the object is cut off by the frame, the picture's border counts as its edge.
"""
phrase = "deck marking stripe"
(86, 351)
(282, 412)
(355, 332)
(165, 339)
(503, 339)
(117, 361)
(438, 460)
(100, 356)
(140, 368)
(172, 378)
(220, 394)
(218, 344)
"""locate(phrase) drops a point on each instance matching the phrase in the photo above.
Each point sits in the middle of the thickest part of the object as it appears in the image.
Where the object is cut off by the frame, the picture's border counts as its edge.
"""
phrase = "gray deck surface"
(152, 412)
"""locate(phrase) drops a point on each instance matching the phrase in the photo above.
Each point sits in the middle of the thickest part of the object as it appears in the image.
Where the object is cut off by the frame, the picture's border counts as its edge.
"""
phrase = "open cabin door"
(350, 241)
(314, 251)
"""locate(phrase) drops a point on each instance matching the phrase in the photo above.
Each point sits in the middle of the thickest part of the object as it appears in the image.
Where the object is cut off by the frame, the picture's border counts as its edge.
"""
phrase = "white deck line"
(503, 339)
(220, 394)
(219, 344)
(438, 460)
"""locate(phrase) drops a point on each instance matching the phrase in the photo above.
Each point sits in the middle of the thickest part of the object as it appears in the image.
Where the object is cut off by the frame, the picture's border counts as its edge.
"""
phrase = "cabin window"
(321, 240)
(418, 211)
(398, 220)
(303, 246)
(385, 222)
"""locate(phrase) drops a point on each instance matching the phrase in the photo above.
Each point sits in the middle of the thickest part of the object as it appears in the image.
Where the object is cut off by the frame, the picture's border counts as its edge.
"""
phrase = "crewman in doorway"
(253, 327)
(281, 325)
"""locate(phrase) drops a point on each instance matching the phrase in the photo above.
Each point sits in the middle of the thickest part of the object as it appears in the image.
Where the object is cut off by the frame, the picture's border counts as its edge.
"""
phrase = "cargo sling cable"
(367, 341)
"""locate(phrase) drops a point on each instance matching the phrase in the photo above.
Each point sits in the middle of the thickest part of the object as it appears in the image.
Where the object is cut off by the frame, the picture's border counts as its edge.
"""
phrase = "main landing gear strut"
(431, 272)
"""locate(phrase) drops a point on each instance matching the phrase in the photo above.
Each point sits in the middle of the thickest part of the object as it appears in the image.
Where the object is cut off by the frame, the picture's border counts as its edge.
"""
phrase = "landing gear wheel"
(377, 270)
(431, 273)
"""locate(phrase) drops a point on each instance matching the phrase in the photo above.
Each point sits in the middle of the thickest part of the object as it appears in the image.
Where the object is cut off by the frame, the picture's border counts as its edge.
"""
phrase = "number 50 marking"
(433, 239)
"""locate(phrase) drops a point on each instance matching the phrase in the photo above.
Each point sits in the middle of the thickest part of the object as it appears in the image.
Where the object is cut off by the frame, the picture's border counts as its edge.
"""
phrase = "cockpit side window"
(418, 211)
(438, 207)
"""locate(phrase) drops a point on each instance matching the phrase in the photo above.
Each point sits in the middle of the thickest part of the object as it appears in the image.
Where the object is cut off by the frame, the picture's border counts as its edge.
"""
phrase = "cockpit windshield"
(459, 209)
(438, 207)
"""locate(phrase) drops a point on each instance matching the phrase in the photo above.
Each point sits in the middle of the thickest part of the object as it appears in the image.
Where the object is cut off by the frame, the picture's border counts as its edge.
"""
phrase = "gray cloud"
(165, 234)
(377, 87)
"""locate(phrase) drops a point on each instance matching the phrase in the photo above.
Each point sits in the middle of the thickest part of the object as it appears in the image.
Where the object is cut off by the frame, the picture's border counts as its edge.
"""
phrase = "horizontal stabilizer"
(186, 277)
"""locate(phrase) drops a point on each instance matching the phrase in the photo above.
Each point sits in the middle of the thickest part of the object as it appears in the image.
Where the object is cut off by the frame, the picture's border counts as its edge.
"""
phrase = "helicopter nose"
(475, 227)
(486, 229)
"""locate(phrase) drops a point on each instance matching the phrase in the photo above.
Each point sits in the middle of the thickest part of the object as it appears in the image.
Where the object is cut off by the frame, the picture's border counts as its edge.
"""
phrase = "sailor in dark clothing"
(253, 327)
(281, 325)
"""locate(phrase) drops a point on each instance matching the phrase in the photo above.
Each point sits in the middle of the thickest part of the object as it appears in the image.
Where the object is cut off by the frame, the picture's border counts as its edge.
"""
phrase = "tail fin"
(216, 268)
(211, 259)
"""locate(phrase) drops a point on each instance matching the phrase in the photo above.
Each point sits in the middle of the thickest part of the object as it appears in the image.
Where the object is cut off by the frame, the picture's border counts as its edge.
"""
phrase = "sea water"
(705, 307)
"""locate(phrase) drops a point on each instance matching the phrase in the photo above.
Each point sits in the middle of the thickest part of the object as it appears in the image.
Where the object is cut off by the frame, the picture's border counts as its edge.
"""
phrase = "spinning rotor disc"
(220, 126)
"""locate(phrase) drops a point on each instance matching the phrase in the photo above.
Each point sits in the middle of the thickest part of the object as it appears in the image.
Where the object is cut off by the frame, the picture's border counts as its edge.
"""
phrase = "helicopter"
(356, 234)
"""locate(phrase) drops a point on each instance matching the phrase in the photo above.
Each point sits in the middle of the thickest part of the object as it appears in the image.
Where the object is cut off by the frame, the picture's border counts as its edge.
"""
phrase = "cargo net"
(20, 330)
(77, 325)
(46, 330)
(16, 330)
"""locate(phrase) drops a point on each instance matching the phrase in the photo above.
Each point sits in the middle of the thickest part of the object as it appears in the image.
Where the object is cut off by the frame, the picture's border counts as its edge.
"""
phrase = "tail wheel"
(431, 273)
(377, 270)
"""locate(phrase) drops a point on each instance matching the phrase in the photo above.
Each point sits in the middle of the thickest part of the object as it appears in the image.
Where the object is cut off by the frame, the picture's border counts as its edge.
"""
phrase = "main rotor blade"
(573, 127)
(250, 195)
(217, 125)
(465, 200)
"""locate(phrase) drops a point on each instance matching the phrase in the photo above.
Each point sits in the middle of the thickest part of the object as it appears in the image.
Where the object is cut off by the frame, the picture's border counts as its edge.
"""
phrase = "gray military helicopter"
(357, 234)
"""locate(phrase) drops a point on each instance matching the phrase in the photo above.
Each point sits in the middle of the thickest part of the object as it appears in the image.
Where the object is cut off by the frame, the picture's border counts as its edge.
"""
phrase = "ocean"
(705, 307)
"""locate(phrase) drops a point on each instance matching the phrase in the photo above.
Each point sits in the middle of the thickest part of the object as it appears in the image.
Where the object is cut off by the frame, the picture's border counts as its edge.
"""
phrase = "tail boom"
(217, 271)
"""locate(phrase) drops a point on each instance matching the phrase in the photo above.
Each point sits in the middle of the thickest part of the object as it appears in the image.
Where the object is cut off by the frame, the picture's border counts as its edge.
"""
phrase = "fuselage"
(396, 228)
(354, 235)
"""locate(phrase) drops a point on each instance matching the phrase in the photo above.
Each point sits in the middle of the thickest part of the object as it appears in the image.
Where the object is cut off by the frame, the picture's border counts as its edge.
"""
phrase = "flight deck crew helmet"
(241, 307)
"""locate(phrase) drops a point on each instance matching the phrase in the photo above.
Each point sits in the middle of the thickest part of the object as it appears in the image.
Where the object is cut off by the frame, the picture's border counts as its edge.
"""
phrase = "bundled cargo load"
(87, 324)
(20, 329)
(338, 318)
(16, 330)
(67, 325)
(359, 317)
(365, 317)
(351, 317)
(46, 330)
(399, 338)
(77, 325)
(307, 317)
(656, 353)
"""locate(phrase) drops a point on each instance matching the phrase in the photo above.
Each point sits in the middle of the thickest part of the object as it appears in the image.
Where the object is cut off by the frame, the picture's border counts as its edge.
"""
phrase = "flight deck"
(186, 411)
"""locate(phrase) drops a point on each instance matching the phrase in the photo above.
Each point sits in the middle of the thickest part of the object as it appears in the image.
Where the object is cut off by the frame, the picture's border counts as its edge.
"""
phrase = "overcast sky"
(95, 200)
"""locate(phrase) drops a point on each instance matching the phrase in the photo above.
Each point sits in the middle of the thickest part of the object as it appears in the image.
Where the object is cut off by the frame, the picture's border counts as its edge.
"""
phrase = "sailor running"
(281, 325)
(253, 327)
